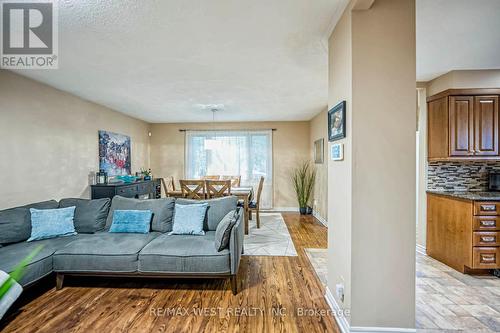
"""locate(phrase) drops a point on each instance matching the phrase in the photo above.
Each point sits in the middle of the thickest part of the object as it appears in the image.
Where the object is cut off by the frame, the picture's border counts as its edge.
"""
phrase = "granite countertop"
(467, 195)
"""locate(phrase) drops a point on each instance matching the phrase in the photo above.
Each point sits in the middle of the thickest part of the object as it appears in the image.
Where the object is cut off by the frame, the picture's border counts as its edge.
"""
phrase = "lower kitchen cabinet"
(463, 233)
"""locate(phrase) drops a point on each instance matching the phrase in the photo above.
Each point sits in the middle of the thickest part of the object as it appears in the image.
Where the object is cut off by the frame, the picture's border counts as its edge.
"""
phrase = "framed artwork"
(337, 152)
(318, 151)
(337, 122)
(114, 153)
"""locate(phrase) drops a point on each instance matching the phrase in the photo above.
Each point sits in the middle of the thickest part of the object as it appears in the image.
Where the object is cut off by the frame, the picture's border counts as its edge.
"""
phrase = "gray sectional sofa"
(95, 251)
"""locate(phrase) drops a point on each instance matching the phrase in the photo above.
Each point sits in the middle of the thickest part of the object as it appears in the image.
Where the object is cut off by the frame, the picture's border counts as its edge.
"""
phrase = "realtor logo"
(29, 35)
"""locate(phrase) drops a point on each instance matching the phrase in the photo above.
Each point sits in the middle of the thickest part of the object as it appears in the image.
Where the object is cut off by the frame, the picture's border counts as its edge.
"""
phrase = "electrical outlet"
(339, 289)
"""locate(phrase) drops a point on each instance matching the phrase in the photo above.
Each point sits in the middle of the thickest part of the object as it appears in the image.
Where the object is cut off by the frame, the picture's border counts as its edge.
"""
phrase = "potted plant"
(146, 173)
(303, 179)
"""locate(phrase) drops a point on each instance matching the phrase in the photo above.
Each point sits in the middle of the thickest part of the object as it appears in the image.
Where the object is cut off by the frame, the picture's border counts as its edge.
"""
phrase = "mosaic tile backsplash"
(460, 176)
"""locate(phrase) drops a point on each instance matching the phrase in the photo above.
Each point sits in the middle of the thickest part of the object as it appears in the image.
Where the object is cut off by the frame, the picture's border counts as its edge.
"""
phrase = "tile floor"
(446, 300)
(271, 239)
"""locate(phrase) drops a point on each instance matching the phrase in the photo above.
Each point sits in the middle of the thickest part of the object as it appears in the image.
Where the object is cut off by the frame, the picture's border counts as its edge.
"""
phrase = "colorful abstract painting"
(114, 153)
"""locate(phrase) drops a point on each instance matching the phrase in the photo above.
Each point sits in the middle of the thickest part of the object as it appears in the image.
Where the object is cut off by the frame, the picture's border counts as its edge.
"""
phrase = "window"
(232, 153)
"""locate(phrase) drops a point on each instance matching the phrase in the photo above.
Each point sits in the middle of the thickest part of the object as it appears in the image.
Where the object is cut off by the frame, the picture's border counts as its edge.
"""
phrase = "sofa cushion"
(188, 219)
(15, 223)
(184, 254)
(223, 232)
(131, 221)
(163, 210)
(41, 264)
(90, 215)
(102, 252)
(52, 223)
(217, 209)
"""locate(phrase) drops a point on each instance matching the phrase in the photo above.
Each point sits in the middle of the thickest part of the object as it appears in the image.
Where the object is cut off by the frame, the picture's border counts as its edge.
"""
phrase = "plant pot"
(303, 210)
(309, 210)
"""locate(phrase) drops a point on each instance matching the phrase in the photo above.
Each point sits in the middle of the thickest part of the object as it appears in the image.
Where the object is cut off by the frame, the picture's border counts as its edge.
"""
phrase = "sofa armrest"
(236, 242)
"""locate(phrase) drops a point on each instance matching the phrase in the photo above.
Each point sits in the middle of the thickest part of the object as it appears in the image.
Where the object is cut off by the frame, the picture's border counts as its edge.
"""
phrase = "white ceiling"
(457, 34)
(160, 60)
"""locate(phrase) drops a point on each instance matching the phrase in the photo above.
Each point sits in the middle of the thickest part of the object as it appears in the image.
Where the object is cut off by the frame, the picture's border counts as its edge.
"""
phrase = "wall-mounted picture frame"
(319, 151)
(337, 152)
(337, 122)
(114, 153)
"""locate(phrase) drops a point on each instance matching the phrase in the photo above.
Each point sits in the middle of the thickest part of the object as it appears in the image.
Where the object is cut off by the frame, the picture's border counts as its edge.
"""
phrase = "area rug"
(318, 259)
(271, 239)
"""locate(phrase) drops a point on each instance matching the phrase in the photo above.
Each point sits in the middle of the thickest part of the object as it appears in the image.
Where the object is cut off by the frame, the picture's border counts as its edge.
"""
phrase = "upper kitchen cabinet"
(463, 124)
(486, 138)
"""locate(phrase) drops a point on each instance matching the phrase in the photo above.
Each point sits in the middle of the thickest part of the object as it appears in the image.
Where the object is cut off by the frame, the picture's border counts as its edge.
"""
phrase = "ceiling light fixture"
(213, 143)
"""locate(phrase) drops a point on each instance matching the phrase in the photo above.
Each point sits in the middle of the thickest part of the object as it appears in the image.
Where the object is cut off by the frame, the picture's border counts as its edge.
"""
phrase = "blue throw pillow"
(188, 219)
(51, 223)
(131, 221)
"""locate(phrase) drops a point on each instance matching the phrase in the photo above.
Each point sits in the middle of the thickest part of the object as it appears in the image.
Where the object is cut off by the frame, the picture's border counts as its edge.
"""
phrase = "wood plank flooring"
(275, 292)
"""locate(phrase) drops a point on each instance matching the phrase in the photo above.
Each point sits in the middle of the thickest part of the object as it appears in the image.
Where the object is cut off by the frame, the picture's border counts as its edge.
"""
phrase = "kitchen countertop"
(480, 196)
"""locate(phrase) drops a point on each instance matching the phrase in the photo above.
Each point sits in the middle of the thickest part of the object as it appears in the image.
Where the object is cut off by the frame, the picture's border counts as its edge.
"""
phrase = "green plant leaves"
(18, 272)
(303, 179)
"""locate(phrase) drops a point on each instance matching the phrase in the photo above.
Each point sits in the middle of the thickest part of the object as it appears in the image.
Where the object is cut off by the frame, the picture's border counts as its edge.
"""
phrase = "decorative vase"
(309, 210)
(303, 210)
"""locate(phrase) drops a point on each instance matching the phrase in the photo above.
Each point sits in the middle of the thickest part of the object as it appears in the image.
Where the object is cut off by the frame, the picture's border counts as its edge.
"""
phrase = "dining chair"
(210, 177)
(193, 189)
(168, 185)
(218, 188)
(235, 180)
(255, 205)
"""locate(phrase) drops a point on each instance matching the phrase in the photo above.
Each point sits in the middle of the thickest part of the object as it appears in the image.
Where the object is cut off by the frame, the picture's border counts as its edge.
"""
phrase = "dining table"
(245, 195)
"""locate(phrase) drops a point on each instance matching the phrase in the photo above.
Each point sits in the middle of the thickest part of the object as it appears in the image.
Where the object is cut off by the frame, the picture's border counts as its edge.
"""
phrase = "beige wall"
(318, 129)
(290, 146)
(422, 170)
(340, 172)
(384, 154)
(371, 193)
(50, 141)
(488, 78)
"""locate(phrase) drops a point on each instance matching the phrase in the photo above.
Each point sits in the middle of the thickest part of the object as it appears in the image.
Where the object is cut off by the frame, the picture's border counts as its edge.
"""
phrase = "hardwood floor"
(275, 292)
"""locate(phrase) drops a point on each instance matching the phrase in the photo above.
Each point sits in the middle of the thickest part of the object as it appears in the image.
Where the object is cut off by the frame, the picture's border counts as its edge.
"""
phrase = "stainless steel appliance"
(494, 182)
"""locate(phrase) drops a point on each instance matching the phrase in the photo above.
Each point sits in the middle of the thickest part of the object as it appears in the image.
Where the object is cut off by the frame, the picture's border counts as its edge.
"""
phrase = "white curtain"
(232, 153)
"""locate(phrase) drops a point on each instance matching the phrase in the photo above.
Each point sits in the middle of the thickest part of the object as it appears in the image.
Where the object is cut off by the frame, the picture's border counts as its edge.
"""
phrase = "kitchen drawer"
(486, 238)
(486, 223)
(127, 191)
(486, 257)
(486, 208)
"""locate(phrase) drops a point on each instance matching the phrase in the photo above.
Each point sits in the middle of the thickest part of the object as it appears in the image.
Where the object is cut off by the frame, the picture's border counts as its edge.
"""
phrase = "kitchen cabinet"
(463, 233)
(463, 126)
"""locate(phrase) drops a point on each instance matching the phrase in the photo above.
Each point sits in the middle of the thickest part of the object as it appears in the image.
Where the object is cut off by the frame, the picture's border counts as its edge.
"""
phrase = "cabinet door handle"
(488, 208)
(487, 239)
(488, 257)
(488, 223)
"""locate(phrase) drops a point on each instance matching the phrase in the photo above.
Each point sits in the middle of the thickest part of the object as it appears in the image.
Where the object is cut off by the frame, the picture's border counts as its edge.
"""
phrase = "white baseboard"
(337, 311)
(320, 218)
(345, 327)
(383, 330)
(421, 249)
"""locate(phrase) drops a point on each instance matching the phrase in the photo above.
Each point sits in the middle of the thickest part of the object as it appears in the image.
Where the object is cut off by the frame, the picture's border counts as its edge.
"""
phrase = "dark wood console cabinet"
(151, 188)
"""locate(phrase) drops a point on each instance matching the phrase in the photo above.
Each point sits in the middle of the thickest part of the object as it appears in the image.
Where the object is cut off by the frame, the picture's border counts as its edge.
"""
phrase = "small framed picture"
(337, 152)
(336, 122)
(318, 151)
